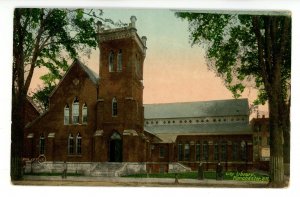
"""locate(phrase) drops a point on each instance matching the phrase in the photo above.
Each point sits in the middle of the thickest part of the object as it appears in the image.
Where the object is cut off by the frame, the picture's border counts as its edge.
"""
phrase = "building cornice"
(121, 33)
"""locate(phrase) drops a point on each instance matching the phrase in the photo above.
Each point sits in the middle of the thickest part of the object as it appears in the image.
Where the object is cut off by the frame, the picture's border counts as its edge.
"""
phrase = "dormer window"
(119, 67)
(111, 61)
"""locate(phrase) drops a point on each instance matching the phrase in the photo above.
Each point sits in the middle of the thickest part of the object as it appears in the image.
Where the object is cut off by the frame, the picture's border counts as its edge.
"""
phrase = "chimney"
(144, 40)
(133, 20)
(99, 25)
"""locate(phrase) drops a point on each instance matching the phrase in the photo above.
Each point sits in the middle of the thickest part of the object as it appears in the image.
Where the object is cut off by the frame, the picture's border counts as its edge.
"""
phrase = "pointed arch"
(78, 144)
(111, 61)
(115, 136)
(119, 67)
(114, 107)
(66, 115)
(84, 114)
(75, 111)
(243, 150)
(70, 144)
(187, 151)
(115, 147)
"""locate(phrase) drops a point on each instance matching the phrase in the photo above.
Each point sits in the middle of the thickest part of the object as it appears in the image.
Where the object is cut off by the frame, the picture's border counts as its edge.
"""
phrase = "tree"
(45, 38)
(41, 96)
(243, 48)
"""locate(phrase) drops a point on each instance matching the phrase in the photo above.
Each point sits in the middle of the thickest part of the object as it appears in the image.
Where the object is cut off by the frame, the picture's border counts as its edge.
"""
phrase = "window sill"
(69, 155)
(77, 124)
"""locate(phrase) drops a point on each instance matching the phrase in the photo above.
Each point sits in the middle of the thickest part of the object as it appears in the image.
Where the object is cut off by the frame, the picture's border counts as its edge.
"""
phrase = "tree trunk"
(285, 118)
(276, 144)
(18, 98)
(17, 135)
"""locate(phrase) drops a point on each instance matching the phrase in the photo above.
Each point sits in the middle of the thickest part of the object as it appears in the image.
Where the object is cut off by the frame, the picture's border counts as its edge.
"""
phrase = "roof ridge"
(189, 102)
(228, 107)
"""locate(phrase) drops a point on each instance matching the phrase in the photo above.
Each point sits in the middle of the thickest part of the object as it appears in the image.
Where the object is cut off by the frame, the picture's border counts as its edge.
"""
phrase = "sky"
(174, 71)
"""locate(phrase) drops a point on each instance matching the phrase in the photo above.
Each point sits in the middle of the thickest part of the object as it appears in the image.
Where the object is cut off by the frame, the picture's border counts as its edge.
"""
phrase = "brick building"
(207, 132)
(96, 122)
(31, 111)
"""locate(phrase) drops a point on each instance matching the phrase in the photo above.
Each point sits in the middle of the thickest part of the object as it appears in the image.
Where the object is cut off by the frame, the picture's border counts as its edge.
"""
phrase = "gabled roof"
(231, 107)
(94, 77)
(30, 100)
(36, 120)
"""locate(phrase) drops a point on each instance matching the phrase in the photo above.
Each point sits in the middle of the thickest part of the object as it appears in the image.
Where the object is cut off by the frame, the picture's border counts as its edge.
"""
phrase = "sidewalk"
(124, 181)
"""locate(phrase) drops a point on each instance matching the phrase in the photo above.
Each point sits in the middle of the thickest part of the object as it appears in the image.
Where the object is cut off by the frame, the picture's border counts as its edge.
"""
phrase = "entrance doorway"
(115, 148)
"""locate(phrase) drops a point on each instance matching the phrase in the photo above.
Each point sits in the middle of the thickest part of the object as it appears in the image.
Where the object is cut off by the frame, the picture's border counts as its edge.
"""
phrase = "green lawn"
(207, 175)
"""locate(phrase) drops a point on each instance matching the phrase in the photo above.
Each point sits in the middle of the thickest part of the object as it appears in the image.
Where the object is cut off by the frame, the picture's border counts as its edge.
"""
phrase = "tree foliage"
(45, 38)
(245, 48)
(232, 50)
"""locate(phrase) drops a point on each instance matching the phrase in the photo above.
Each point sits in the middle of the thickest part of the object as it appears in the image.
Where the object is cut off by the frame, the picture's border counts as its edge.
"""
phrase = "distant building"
(31, 110)
(261, 139)
(100, 126)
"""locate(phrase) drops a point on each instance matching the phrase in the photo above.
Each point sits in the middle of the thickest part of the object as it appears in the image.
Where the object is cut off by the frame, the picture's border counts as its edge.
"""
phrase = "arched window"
(42, 144)
(216, 151)
(84, 113)
(180, 152)
(75, 111)
(119, 68)
(224, 151)
(78, 144)
(111, 61)
(70, 144)
(187, 152)
(114, 107)
(67, 115)
(244, 150)
(234, 151)
(198, 151)
(205, 150)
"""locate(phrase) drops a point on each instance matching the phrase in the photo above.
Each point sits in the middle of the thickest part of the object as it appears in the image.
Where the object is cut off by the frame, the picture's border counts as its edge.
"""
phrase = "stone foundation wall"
(57, 167)
(87, 168)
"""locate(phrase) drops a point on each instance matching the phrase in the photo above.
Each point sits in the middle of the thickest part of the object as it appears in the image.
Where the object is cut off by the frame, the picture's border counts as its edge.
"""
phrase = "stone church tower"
(120, 114)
